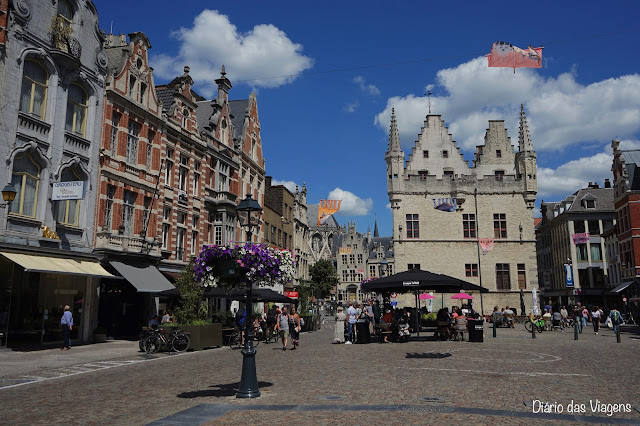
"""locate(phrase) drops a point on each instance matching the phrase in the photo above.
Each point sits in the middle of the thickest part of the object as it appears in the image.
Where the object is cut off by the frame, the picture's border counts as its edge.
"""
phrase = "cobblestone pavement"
(420, 382)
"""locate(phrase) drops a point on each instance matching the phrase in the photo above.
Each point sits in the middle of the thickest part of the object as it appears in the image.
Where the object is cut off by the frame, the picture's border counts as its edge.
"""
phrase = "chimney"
(607, 183)
(267, 182)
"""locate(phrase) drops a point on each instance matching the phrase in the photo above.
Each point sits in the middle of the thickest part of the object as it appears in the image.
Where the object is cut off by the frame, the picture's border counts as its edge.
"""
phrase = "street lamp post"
(249, 211)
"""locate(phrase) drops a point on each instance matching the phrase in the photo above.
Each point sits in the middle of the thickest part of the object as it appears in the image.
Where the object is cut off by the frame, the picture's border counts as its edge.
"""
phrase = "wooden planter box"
(204, 336)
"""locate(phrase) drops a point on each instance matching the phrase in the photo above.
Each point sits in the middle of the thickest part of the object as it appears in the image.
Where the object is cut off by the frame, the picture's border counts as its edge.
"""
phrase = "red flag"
(507, 55)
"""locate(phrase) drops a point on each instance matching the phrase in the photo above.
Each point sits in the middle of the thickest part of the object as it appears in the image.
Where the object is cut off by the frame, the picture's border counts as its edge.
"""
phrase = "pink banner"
(580, 238)
(507, 55)
(486, 244)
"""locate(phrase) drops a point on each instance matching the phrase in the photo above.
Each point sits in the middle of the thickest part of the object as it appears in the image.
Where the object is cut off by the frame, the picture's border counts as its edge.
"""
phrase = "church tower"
(526, 161)
(394, 157)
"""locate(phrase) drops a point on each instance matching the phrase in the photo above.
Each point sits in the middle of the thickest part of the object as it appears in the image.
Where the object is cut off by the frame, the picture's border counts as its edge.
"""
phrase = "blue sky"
(326, 75)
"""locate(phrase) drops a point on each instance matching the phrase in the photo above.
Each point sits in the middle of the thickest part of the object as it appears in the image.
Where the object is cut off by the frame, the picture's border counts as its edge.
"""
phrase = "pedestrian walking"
(294, 328)
(352, 317)
(585, 316)
(66, 323)
(595, 319)
(282, 326)
(616, 319)
(341, 317)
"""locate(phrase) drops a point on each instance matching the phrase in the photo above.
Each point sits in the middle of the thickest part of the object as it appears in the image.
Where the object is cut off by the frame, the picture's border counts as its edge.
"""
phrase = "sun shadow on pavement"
(223, 390)
(431, 355)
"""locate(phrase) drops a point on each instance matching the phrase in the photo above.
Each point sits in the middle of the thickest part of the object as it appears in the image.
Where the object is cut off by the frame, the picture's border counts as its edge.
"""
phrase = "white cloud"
(351, 205)
(289, 184)
(263, 52)
(371, 89)
(351, 107)
(561, 112)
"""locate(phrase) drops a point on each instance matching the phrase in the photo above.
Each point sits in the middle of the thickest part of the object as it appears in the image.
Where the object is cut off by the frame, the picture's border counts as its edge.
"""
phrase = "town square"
(323, 213)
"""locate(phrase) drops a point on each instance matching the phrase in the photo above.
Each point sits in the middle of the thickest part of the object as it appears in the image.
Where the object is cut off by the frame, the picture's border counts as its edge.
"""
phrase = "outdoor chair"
(508, 320)
(461, 328)
(497, 319)
(443, 330)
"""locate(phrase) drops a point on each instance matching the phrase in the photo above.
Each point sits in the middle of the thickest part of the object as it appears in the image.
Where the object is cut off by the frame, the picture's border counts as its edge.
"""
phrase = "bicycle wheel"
(528, 325)
(152, 344)
(540, 328)
(180, 342)
(236, 341)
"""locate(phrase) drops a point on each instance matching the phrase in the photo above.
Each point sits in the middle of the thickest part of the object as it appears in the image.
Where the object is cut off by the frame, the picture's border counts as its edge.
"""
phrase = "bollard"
(533, 329)
(494, 329)
(618, 332)
(575, 330)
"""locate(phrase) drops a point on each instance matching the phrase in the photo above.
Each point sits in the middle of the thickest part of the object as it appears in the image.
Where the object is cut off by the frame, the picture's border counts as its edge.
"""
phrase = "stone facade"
(588, 211)
(492, 199)
(52, 79)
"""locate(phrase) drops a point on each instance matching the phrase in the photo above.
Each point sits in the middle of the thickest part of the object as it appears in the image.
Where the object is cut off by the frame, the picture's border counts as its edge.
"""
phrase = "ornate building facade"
(443, 209)
(53, 73)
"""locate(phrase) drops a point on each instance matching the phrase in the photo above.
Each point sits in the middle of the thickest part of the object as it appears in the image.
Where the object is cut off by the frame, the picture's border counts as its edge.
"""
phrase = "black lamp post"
(8, 195)
(249, 212)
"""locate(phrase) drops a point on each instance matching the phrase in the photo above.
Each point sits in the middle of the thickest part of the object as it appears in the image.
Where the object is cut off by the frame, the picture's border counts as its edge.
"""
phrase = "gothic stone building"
(492, 199)
(53, 72)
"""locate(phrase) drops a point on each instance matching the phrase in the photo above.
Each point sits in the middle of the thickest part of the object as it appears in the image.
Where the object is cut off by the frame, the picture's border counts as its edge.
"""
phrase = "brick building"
(626, 185)
(442, 207)
(277, 218)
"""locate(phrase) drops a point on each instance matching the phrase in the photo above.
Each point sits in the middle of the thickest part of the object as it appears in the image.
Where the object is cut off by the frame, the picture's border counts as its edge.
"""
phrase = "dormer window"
(185, 117)
(590, 204)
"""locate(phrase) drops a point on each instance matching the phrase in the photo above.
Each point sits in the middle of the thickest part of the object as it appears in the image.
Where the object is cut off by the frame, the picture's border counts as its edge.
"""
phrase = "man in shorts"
(282, 326)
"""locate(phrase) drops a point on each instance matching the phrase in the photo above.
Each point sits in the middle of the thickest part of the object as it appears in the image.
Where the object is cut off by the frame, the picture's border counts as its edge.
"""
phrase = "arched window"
(25, 179)
(185, 118)
(65, 12)
(69, 210)
(33, 97)
(76, 109)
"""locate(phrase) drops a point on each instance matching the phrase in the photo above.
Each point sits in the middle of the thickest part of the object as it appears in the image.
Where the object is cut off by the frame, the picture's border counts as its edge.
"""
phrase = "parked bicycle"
(236, 338)
(628, 319)
(271, 334)
(174, 340)
(538, 324)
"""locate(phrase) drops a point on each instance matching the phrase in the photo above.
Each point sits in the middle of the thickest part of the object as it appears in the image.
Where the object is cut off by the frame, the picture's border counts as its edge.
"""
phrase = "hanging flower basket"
(231, 267)
(366, 280)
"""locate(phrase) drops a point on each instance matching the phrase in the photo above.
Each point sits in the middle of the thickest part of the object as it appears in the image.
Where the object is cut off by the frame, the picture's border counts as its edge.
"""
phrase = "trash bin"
(476, 332)
(362, 330)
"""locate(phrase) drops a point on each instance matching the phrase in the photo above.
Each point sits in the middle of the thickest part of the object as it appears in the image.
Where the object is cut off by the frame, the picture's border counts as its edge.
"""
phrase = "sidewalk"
(17, 363)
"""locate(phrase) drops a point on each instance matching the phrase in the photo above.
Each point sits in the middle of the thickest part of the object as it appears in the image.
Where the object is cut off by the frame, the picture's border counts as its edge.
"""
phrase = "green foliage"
(191, 310)
(323, 277)
(224, 317)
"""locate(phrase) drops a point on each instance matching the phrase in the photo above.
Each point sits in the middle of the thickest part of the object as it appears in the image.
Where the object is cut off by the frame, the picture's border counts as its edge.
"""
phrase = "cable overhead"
(440, 58)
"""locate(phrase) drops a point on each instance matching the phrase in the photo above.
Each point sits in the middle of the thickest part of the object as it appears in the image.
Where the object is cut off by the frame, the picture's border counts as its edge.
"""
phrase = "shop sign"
(291, 294)
(67, 191)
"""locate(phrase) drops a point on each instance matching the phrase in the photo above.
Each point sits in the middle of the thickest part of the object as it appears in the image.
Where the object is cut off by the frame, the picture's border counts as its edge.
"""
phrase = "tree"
(191, 309)
(323, 277)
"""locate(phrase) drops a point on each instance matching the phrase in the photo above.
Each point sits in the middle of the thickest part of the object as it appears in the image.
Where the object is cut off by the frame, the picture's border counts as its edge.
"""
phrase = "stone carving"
(22, 8)
(49, 234)
(101, 58)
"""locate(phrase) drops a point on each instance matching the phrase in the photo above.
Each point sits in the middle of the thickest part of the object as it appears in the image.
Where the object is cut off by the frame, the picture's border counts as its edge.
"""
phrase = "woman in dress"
(341, 317)
(294, 328)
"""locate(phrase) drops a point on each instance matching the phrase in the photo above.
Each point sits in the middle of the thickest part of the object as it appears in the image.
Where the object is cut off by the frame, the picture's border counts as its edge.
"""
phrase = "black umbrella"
(522, 307)
(418, 280)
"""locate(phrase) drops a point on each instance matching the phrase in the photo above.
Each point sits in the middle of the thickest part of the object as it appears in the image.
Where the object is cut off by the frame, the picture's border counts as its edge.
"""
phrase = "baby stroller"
(403, 330)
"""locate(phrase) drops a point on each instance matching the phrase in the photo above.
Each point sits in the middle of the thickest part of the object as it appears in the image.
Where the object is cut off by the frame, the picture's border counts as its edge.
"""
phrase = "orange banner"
(345, 250)
(326, 209)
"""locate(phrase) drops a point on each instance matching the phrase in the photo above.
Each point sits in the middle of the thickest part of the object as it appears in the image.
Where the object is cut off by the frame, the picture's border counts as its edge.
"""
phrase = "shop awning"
(621, 287)
(143, 276)
(57, 265)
